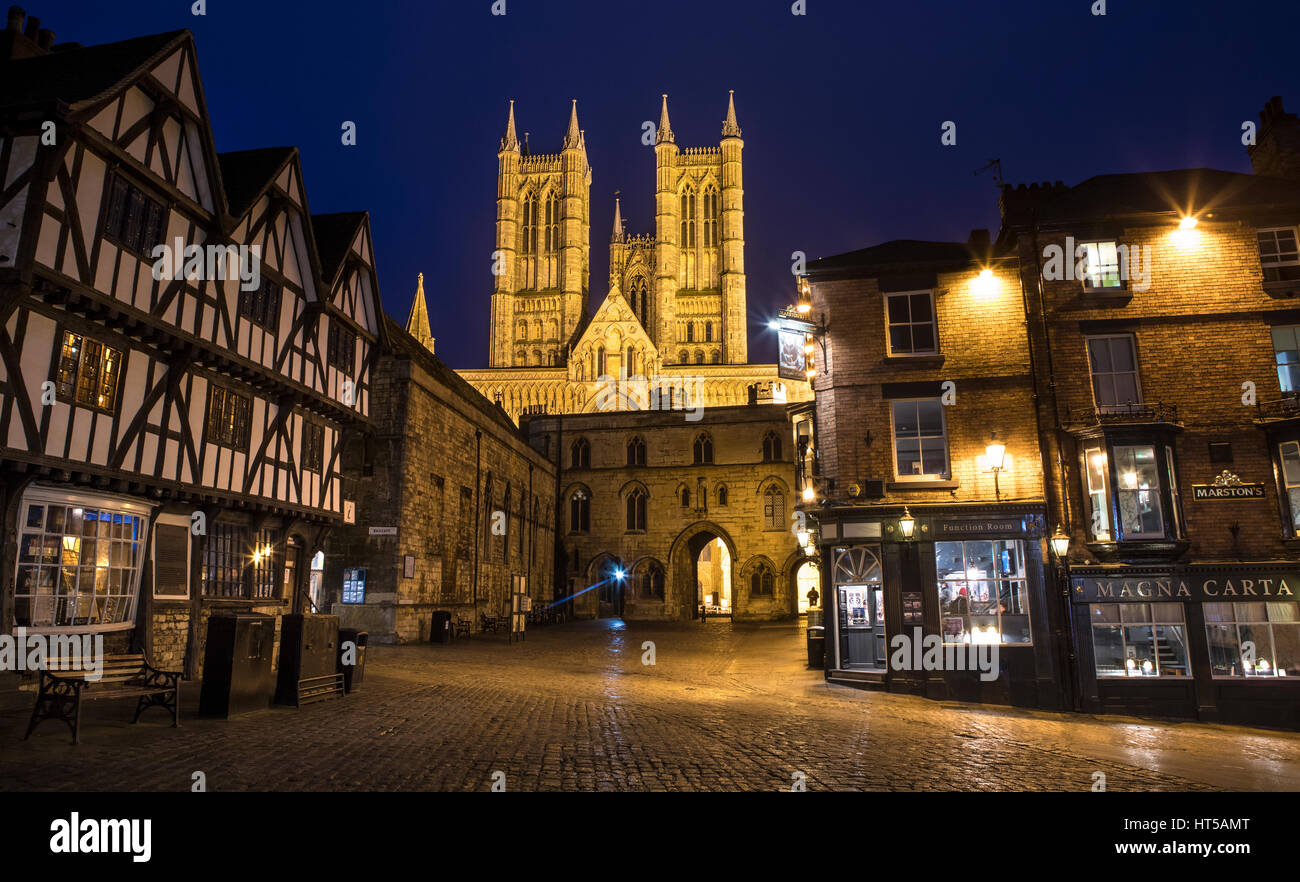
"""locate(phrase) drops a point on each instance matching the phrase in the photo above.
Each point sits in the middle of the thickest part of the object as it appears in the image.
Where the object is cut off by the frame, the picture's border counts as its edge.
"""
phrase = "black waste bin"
(440, 628)
(817, 647)
(354, 673)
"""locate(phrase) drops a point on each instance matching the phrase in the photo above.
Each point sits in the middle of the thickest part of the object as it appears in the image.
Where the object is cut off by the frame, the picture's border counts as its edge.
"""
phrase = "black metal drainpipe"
(478, 468)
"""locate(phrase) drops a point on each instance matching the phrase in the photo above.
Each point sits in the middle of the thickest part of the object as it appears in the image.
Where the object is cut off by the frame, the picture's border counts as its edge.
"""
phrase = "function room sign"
(1191, 587)
(1227, 486)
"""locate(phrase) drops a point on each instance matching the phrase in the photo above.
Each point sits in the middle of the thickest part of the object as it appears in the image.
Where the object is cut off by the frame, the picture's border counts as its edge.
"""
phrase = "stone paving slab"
(725, 707)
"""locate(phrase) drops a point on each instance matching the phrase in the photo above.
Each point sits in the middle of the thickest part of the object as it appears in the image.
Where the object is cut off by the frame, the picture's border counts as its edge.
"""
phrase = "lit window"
(354, 585)
(1278, 254)
(1289, 452)
(920, 441)
(1286, 353)
(983, 591)
(1138, 476)
(910, 319)
(1101, 270)
(88, 372)
(1139, 640)
(1097, 472)
(1112, 361)
(1253, 639)
(78, 566)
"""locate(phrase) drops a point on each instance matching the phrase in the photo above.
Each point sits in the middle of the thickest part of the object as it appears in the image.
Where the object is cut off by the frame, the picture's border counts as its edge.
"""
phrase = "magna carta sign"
(1191, 587)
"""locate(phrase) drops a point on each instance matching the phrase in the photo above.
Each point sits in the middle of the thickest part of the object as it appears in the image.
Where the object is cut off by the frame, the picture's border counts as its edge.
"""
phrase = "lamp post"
(1060, 543)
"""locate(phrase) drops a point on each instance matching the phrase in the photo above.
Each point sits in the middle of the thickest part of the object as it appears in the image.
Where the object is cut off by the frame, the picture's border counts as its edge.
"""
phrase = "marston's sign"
(1235, 491)
(1188, 587)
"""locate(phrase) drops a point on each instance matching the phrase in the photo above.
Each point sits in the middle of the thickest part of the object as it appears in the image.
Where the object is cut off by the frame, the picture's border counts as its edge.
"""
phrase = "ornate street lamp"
(907, 523)
(996, 451)
(1060, 543)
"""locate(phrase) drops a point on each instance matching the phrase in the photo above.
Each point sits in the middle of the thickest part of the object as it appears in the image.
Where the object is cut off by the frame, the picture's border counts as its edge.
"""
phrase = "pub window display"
(78, 567)
(1139, 640)
(983, 591)
(1253, 639)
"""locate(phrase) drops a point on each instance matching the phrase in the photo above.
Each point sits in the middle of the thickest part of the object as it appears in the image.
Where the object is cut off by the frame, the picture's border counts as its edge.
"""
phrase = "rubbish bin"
(440, 627)
(354, 673)
(817, 647)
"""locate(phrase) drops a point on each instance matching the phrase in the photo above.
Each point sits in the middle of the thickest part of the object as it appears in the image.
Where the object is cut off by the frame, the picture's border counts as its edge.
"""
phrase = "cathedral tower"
(540, 266)
(698, 314)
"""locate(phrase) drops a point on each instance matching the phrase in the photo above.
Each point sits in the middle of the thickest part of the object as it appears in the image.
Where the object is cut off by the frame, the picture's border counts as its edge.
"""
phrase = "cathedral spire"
(417, 325)
(730, 128)
(510, 141)
(573, 137)
(618, 219)
(665, 133)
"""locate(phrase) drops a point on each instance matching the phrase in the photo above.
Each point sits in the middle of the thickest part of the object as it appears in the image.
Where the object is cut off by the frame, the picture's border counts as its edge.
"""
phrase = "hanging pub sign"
(1227, 486)
(791, 338)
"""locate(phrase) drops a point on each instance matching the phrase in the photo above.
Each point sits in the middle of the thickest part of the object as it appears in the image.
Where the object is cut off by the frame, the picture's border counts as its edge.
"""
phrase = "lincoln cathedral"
(675, 308)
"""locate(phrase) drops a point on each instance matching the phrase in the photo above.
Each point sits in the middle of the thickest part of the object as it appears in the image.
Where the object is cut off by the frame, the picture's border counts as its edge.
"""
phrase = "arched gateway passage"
(701, 563)
(609, 578)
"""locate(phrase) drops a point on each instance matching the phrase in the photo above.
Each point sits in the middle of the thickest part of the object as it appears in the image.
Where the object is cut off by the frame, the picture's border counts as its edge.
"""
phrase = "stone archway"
(683, 561)
(607, 578)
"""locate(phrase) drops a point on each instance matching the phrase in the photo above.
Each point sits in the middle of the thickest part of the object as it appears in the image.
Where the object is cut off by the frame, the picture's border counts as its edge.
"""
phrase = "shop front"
(1213, 642)
(947, 602)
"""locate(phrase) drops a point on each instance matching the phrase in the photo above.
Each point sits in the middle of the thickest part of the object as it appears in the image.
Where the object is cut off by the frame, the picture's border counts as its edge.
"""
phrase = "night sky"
(841, 111)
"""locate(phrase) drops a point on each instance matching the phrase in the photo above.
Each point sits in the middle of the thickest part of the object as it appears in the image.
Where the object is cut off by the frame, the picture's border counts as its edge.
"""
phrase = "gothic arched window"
(708, 332)
(579, 512)
(761, 581)
(636, 510)
(686, 497)
(773, 508)
(636, 452)
(580, 454)
(690, 332)
(703, 449)
(771, 447)
(722, 494)
(699, 356)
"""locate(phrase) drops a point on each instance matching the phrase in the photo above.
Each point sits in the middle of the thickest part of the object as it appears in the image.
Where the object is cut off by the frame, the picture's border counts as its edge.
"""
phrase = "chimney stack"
(1276, 151)
(17, 41)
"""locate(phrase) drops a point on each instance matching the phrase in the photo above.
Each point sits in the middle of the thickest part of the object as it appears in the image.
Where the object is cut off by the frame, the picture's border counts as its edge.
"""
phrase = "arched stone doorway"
(607, 579)
(684, 563)
(806, 575)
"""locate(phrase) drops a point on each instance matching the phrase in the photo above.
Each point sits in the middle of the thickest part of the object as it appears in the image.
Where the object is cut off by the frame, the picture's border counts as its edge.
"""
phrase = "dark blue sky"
(841, 111)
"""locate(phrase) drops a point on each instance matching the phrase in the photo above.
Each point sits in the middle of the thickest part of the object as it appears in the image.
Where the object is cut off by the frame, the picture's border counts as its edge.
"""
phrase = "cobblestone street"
(725, 708)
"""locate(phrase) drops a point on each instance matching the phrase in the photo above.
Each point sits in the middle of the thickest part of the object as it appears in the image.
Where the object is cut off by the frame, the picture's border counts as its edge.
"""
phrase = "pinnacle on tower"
(665, 133)
(417, 324)
(730, 128)
(573, 137)
(618, 220)
(510, 141)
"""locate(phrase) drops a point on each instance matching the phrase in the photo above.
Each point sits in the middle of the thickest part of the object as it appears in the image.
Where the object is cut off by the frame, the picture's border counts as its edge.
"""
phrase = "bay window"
(79, 561)
(1131, 488)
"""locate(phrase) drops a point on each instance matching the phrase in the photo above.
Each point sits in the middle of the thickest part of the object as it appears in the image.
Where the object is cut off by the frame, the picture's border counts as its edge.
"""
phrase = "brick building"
(460, 505)
(1134, 344)
(695, 515)
(922, 371)
(1171, 427)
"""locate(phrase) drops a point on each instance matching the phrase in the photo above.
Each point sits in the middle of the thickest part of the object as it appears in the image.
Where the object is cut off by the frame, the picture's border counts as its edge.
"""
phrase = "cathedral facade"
(671, 331)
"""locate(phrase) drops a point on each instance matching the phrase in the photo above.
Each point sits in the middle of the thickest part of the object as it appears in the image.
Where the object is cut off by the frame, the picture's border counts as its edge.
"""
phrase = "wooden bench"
(489, 623)
(463, 627)
(123, 676)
